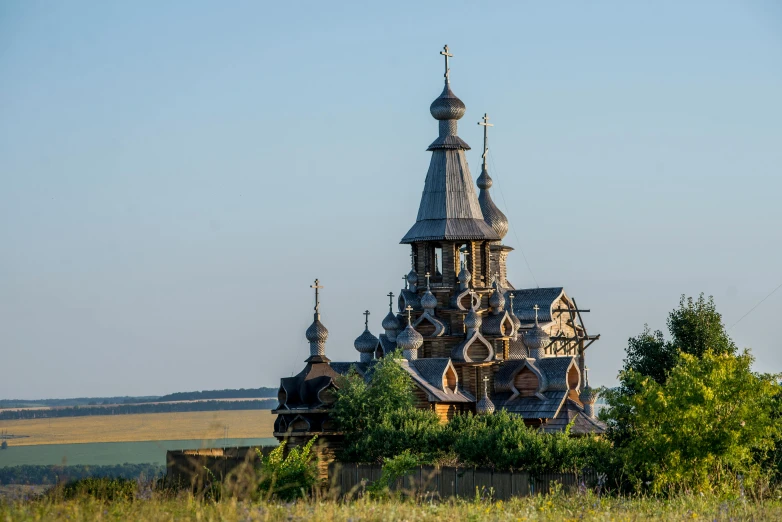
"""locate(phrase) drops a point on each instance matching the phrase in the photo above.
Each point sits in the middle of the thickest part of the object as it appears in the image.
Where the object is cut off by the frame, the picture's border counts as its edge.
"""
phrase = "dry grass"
(560, 508)
(196, 425)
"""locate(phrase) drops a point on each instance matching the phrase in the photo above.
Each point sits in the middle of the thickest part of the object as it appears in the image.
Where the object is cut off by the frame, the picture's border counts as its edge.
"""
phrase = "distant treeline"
(241, 393)
(124, 409)
(46, 475)
(76, 401)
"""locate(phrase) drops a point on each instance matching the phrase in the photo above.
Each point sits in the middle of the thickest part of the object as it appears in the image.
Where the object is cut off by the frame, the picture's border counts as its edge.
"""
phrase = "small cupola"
(409, 340)
(366, 343)
(317, 334)
(536, 339)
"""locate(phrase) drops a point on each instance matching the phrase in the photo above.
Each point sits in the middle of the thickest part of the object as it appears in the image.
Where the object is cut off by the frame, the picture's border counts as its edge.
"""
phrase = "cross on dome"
(447, 55)
(366, 319)
(536, 308)
(485, 124)
(390, 300)
(427, 276)
(317, 287)
(409, 309)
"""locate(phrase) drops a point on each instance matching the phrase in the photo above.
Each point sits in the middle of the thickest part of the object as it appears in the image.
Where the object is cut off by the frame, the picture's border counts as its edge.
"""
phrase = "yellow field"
(245, 424)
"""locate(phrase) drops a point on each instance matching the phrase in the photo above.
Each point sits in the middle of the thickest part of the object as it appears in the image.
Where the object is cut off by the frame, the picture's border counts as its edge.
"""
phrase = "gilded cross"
(447, 55)
(427, 276)
(409, 309)
(485, 123)
(366, 319)
(317, 287)
(485, 385)
(536, 308)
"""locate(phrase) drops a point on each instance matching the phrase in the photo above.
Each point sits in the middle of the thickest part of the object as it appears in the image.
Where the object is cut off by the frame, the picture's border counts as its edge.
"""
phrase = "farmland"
(201, 425)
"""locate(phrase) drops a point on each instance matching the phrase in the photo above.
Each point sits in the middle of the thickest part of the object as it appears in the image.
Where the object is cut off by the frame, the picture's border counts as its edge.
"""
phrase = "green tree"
(712, 419)
(696, 327)
(361, 404)
(650, 354)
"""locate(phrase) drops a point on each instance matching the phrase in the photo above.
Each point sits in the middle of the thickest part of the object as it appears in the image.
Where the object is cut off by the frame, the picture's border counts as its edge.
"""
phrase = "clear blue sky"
(173, 175)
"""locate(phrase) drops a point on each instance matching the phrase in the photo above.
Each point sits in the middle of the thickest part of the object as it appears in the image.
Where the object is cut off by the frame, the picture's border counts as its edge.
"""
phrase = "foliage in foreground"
(711, 421)
(382, 424)
(559, 506)
(290, 476)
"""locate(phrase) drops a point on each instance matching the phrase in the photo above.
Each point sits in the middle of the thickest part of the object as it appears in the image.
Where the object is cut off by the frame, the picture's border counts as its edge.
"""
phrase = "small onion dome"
(428, 300)
(536, 339)
(473, 320)
(497, 300)
(391, 323)
(492, 215)
(516, 322)
(464, 276)
(317, 333)
(588, 395)
(366, 342)
(409, 339)
(484, 406)
(412, 277)
(447, 106)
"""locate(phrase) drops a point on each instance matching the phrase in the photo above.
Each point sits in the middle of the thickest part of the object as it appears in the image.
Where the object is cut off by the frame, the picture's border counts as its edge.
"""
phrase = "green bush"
(288, 477)
(105, 489)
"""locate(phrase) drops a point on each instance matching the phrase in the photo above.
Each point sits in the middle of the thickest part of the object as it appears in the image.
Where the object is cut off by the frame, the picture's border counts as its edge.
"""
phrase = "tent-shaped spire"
(449, 208)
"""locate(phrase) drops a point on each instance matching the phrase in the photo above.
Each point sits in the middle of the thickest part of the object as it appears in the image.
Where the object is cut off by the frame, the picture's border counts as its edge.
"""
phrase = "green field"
(107, 453)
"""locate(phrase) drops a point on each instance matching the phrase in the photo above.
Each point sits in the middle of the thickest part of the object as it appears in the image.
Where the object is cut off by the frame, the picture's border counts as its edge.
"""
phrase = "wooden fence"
(445, 482)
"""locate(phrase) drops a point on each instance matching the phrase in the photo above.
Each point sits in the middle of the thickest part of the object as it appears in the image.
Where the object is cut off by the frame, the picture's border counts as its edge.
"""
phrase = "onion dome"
(464, 276)
(536, 339)
(390, 322)
(485, 406)
(588, 397)
(496, 299)
(428, 300)
(492, 215)
(409, 340)
(317, 334)
(447, 106)
(513, 317)
(412, 279)
(472, 321)
(366, 343)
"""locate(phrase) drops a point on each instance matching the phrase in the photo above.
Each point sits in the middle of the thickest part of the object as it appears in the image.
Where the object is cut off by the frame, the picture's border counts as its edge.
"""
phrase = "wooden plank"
(503, 485)
(430, 481)
(447, 482)
(520, 484)
(483, 481)
(466, 483)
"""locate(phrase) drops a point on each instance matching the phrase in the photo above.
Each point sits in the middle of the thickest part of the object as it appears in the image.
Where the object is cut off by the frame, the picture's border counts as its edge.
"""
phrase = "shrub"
(105, 489)
(288, 477)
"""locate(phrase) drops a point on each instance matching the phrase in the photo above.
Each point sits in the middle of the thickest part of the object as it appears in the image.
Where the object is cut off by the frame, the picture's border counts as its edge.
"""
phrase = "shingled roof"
(428, 375)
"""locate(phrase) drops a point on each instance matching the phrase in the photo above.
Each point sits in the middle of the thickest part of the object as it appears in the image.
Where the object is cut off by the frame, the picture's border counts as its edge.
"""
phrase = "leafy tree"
(360, 404)
(649, 354)
(711, 420)
(696, 327)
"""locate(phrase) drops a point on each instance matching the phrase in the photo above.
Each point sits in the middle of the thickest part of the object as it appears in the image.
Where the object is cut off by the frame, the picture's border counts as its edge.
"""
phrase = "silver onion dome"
(391, 323)
(366, 342)
(473, 320)
(428, 300)
(464, 276)
(447, 106)
(412, 278)
(492, 215)
(409, 341)
(484, 406)
(317, 333)
(496, 299)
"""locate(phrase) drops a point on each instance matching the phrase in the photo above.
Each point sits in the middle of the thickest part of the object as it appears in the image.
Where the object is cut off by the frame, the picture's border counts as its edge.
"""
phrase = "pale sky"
(173, 175)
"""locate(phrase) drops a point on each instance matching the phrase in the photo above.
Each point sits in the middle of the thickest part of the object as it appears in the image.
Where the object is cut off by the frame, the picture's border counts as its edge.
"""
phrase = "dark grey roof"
(534, 407)
(343, 368)
(555, 369)
(583, 424)
(449, 208)
(492, 323)
(491, 214)
(527, 298)
(428, 375)
(302, 391)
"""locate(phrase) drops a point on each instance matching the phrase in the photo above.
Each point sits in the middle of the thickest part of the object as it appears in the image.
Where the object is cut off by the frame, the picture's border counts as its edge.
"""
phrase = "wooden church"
(471, 341)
